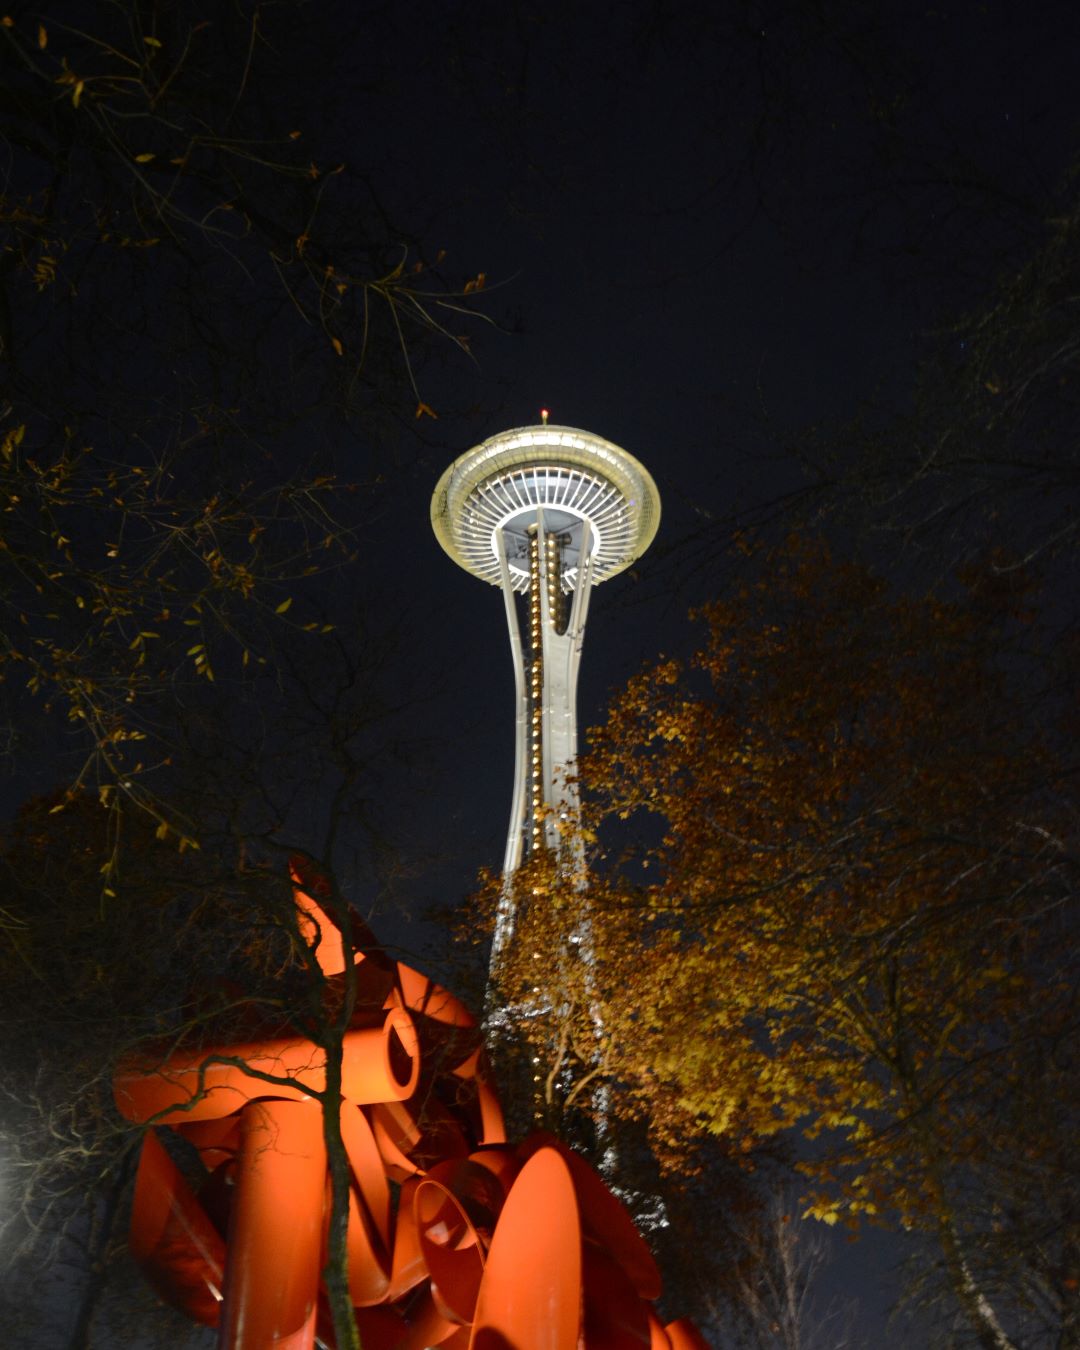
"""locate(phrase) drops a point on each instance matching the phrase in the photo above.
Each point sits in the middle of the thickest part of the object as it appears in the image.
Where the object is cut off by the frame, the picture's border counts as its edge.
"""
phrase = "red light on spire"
(544, 415)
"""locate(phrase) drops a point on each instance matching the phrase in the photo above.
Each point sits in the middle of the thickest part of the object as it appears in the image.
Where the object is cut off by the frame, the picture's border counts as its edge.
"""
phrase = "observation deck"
(573, 477)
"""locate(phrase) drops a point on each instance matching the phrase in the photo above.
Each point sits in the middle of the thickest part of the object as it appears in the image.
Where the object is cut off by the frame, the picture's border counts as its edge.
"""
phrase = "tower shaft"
(546, 658)
(546, 513)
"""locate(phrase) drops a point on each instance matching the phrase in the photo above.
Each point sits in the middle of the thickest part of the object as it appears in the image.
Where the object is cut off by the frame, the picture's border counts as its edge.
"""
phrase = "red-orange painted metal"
(530, 1297)
(606, 1219)
(408, 1269)
(275, 1230)
(173, 1240)
(615, 1315)
(456, 1239)
(369, 1236)
(451, 1248)
(658, 1337)
(683, 1335)
(380, 1064)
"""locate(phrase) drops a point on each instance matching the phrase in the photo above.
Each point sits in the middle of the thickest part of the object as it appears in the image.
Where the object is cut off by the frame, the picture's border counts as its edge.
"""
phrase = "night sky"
(703, 229)
(706, 228)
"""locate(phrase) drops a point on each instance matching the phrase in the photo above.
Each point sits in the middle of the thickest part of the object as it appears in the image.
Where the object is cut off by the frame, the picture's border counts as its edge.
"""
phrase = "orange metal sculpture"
(456, 1239)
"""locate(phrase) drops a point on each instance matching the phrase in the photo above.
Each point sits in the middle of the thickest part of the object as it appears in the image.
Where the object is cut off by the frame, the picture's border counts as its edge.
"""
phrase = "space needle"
(546, 513)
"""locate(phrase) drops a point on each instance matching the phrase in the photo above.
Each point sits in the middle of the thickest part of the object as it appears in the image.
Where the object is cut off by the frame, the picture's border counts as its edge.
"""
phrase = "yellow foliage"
(836, 928)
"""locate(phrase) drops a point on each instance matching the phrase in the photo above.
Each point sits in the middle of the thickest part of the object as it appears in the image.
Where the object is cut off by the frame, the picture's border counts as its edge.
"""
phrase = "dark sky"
(703, 228)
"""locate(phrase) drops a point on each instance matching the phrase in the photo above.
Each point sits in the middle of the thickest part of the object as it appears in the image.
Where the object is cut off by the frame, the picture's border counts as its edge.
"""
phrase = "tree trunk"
(989, 1332)
(336, 1272)
(102, 1222)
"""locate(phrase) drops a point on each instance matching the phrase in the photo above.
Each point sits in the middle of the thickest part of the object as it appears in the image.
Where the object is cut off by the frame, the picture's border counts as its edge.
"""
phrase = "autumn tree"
(198, 947)
(983, 455)
(191, 954)
(83, 985)
(190, 299)
(197, 310)
(845, 915)
(776, 1301)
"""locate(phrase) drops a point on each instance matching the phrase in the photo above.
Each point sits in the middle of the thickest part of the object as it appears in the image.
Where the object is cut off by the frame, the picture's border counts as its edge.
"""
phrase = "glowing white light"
(574, 477)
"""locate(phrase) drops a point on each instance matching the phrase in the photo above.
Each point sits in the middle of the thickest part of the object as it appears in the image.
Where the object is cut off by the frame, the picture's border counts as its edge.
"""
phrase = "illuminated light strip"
(554, 587)
(536, 694)
(490, 507)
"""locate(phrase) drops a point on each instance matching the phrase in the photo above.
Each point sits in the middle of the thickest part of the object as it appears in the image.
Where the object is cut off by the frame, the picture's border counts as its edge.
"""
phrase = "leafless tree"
(776, 1301)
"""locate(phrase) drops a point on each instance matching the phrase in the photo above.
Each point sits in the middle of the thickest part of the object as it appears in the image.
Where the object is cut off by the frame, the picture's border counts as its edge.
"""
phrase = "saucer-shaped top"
(566, 477)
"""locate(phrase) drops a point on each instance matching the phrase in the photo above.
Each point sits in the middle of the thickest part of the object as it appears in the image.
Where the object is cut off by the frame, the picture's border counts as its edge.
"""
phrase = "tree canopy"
(190, 296)
(213, 341)
(847, 912)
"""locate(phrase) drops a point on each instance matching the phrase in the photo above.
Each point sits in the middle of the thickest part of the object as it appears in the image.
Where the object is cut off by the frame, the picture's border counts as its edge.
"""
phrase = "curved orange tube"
(530, 1296)
(683, 1335)
(216, 1140)
(368, 1261)
(275, 1235)
(180, 1250)
(422, 995)
(487, 1113)
(485, 1247)
(605, 1218)
(658, 1337)
(451, 1248)
(615, 1316)
(481, 1191)
(501, 1161)
(428, 1327)
(396, 1135)
(408, 1269)
(320, 933)
(379, 1063)
(409, 1137)
(367, 1169)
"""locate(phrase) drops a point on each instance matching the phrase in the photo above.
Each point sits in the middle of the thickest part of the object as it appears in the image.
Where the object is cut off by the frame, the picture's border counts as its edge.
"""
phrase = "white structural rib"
(574, 475)
(512, 857)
